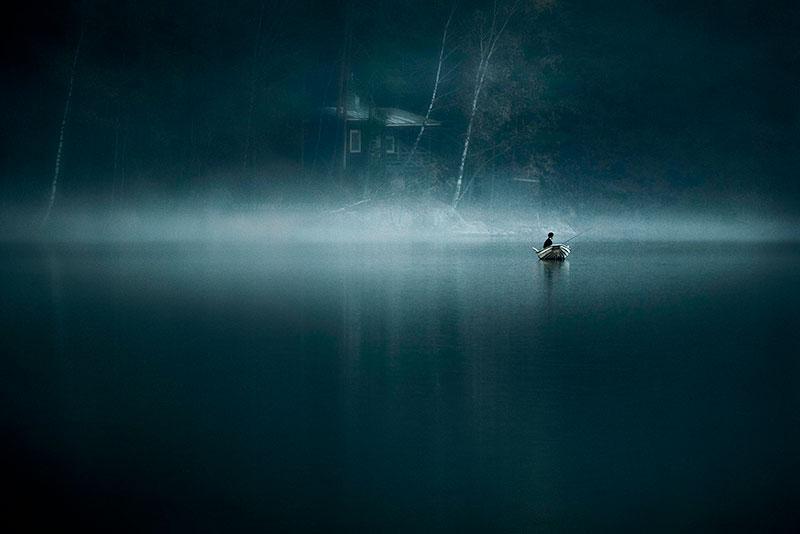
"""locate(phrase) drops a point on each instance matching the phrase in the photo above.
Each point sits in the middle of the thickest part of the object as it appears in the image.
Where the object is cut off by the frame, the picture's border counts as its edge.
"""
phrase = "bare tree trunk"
(343, 114)
(319, 122)
(252, 102)
(114, 174)
(435, 88)
(488, 44)
(122, 166)
(468, 136)
(64, 121)
(344, 78)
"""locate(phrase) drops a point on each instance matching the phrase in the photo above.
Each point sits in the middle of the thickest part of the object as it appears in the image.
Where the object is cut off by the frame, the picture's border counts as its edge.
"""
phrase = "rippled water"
(637, 386)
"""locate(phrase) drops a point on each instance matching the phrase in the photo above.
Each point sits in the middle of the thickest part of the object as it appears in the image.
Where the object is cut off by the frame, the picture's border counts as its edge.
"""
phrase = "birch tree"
(344, 79)
(434, 93)
(253, 81)
(267, 58)
(489, 35)
(64, 121)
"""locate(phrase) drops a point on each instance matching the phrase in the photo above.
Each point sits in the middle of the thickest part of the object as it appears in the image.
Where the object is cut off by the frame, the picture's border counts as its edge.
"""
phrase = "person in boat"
(549, 241)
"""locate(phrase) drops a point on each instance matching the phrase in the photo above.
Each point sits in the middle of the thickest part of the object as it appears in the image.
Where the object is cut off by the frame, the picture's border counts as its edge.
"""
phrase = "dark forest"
(582, 108)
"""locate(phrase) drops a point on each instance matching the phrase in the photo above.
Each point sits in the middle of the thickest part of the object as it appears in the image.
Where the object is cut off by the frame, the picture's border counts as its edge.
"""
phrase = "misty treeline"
(210, 98)
(133, 102)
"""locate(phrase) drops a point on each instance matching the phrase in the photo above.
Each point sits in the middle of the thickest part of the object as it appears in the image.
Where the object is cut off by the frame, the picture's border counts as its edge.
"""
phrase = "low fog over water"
(403, 221)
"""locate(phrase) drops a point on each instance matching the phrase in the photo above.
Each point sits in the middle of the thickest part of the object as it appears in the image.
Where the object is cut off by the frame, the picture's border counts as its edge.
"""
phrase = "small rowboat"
(553, 253)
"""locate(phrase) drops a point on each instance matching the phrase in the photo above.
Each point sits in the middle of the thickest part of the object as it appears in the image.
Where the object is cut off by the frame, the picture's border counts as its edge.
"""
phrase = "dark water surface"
(640, 386)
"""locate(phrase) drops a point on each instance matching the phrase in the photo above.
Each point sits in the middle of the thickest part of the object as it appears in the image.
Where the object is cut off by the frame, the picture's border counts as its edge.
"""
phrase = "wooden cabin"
(373, 142)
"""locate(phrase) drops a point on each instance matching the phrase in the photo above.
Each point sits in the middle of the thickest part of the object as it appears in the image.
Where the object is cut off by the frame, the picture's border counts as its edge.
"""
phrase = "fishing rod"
(576, 235)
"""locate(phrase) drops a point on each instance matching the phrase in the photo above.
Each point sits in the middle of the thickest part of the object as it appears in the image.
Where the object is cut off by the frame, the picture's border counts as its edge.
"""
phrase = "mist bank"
(390, 220)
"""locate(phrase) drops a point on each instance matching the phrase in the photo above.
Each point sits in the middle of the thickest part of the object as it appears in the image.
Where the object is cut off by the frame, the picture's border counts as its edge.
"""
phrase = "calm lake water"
(639, 386)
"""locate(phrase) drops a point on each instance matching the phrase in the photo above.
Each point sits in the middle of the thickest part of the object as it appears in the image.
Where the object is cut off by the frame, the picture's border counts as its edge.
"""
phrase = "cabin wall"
(384, 151)
(400, 162)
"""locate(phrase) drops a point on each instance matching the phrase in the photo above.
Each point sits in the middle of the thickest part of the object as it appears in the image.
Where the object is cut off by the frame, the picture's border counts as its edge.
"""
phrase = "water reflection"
(414, 381)
(554, 274)
(554, 269)
(54, 269)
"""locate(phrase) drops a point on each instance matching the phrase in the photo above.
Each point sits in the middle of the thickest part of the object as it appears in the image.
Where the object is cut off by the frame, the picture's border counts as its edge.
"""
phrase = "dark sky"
(682, 93)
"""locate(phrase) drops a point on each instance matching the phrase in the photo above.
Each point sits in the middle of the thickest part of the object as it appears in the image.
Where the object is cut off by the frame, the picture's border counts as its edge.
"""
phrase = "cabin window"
(390, 148)
(355, 141)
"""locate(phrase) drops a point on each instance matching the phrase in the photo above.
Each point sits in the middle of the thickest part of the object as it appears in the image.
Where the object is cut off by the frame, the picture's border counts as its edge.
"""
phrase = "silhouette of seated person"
(549, 241)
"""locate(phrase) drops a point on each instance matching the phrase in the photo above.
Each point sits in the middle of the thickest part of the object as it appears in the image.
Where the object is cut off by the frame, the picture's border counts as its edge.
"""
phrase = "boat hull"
(553, 253)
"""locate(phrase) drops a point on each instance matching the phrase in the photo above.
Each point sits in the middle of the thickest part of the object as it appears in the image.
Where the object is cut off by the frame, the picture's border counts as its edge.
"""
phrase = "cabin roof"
(401, 117)
(390, 117)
